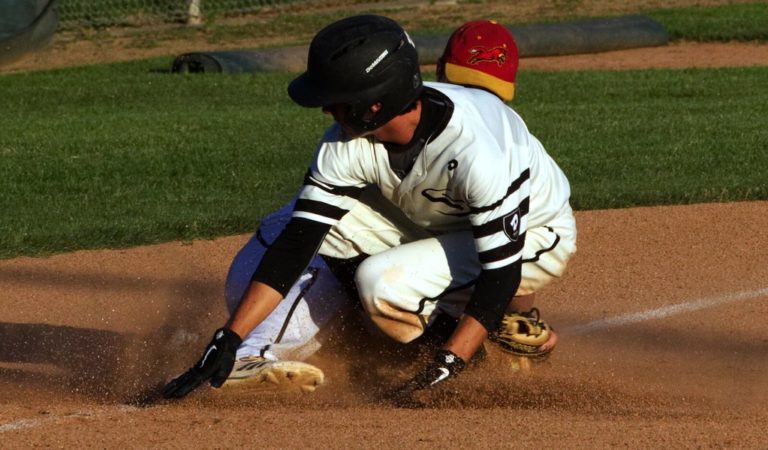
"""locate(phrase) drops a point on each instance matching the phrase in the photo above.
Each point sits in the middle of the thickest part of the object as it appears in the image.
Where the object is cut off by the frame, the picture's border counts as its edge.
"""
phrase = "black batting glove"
(215, 365)
(445, 365)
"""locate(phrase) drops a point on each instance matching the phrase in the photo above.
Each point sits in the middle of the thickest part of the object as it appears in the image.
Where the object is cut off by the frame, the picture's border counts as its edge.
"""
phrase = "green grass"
(746, 22)
(117, 155)
(739, 22)
(122, 155)
(654, 136)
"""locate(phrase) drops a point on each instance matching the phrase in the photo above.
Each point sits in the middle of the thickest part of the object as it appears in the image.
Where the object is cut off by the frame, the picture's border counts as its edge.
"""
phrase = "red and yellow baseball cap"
(481, 53)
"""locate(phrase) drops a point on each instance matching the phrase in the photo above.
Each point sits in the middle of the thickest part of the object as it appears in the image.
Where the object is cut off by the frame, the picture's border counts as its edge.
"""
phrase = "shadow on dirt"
(103, 365)
(74, 359)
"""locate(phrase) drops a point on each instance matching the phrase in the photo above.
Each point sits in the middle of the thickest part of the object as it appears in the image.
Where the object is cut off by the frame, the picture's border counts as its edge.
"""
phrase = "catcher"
(432, 188)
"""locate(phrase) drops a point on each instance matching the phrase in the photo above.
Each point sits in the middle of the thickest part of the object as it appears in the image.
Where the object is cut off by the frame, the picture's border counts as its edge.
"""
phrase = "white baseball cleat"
(255, 371)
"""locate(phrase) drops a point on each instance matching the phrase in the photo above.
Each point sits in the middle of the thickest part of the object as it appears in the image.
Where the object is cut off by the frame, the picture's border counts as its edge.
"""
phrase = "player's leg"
(247, 259)
(401, 288)
(290, 330)
(272, 354)
(405, 288)
(521, 303)
(546, 253)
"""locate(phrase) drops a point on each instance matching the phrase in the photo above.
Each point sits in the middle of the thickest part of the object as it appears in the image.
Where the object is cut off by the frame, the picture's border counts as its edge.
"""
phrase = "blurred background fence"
(100, 13)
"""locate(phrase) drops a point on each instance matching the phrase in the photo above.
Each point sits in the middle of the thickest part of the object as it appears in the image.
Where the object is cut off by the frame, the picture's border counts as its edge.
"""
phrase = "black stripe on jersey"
(348, 191)
(496, 225)
(505, 251)
(510, 190)
(319, 208)
(545, 250)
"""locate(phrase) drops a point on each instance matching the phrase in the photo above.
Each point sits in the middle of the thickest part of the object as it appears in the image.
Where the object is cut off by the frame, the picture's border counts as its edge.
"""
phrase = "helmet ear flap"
(360, 117)
(396, 97)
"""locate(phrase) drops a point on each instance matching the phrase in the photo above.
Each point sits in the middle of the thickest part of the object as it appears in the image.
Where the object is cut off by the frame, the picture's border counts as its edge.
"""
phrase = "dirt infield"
(663, 343)
(661, 315)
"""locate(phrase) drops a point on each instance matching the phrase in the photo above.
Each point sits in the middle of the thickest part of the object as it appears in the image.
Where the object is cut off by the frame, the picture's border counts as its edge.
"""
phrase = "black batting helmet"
(357, 62)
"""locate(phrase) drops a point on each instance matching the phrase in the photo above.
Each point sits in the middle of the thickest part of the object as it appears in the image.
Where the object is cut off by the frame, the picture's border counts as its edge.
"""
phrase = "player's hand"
(215, 365)
(446, 365)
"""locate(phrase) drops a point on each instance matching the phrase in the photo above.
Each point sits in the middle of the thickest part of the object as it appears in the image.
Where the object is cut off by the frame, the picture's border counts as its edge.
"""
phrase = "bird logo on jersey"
(482, 54)
(512, 225)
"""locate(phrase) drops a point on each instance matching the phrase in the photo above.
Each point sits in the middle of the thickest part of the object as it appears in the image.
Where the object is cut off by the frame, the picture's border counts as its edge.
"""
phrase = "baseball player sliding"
(427, 200)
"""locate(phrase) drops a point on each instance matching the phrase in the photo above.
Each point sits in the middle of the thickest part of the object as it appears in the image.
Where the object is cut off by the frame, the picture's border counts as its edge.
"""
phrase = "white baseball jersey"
(483, 172)
(482, 183)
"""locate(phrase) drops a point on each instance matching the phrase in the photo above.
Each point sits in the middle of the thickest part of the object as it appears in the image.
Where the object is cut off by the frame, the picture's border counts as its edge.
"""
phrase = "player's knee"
(380, 284)
(370, 283)
(378, 281)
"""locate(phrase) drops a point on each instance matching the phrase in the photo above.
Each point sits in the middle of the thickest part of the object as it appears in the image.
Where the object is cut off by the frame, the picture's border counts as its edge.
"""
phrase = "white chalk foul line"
(23, 423)
(32, 423)
(666, 311)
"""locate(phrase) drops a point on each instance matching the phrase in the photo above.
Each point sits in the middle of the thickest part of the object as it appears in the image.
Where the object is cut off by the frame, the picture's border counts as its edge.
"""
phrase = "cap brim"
(307, 93)
(303, 92)
(457, 74)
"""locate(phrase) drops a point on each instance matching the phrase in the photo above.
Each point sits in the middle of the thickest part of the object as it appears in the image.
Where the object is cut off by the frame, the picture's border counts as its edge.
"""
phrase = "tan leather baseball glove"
(523, 334)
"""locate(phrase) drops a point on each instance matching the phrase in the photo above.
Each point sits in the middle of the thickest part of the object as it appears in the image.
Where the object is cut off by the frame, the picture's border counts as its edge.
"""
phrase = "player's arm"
(331, 188)
(485, 309)
(281, 266)
(484, 313)
(499, 223)
(319, 206)
(499, 228)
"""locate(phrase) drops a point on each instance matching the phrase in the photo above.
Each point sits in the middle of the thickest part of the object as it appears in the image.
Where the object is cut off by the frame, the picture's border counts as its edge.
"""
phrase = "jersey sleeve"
(288, 256)
(331, 188)
(499, 198)
(334, 181)
(498, 195)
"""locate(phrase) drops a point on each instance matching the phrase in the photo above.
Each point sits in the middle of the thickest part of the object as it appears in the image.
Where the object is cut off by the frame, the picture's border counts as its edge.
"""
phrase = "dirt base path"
(674, 55)
(663, 343)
